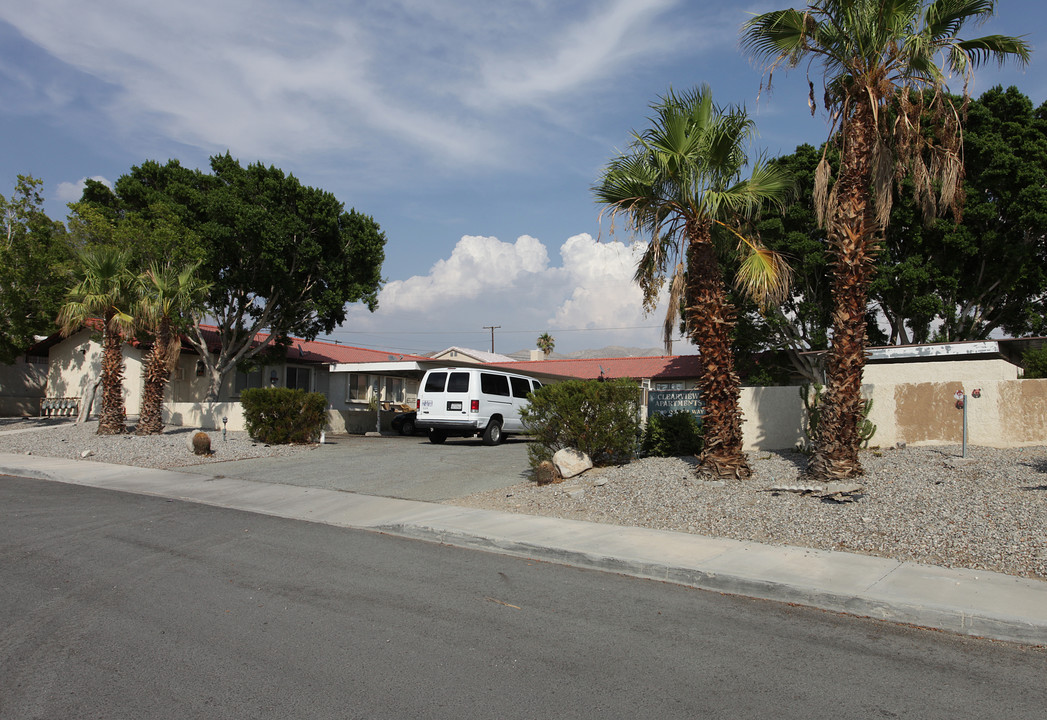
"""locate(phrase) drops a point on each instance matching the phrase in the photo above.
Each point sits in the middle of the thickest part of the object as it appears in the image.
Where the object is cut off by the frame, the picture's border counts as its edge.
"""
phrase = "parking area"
(411, 468)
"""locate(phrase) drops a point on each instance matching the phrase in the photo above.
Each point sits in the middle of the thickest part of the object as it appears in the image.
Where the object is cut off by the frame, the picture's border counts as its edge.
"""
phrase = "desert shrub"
(671, 435)
(600, 419)
(279, 416)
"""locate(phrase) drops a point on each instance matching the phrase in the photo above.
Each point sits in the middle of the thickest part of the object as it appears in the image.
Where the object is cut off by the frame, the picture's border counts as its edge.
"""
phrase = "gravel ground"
(924, 504)
(65, 439)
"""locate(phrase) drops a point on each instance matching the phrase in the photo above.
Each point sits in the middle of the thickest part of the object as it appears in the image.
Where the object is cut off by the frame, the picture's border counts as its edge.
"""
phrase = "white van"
(467, 401)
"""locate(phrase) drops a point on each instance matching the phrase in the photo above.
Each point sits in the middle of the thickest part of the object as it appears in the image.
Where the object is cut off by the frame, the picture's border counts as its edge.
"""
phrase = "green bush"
(601, 419)
(1035, 363)
(279, 416)
(671, 435)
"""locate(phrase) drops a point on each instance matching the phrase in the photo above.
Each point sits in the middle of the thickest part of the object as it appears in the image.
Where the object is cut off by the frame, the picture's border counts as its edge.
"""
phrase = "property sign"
(669, 401)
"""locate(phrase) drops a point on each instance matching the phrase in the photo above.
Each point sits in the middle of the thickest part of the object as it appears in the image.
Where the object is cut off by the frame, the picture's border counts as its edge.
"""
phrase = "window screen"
(435, 382)
(494, 384)
(458, 382)
(520, 387)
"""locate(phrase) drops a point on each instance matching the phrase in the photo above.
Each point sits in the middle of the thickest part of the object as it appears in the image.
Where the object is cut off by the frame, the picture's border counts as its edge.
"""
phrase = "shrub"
(279, 416)
(1035, 363)
(600, 419)
(671, 435)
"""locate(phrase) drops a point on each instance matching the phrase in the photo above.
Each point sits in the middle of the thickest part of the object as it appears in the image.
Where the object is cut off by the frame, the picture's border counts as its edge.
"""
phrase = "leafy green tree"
(283, 258)
(942, 281)
(168, 300)
(35, 261)
(873, 53)
(103, 286)
(681, 184)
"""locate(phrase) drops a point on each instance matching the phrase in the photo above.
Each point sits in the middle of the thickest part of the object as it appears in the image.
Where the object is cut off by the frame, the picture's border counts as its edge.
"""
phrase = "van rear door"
(444, 395)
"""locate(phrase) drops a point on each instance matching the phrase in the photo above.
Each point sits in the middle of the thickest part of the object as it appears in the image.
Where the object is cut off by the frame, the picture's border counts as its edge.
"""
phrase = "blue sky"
(472, 130)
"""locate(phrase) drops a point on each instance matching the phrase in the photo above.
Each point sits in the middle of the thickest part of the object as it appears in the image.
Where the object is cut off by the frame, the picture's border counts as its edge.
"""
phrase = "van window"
(435, 382)
(536, 384)
(458, 382)
(520, 386)
(494, 384)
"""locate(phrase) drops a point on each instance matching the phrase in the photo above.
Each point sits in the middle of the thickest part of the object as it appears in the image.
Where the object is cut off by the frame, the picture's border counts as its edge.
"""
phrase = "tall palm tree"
(102, 287)
(681, 184)
(882, 81)
(167, 298)
(546, 343)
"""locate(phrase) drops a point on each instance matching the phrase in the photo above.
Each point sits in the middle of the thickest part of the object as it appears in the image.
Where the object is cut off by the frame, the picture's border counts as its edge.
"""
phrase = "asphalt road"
(411, 468)
(124, 606)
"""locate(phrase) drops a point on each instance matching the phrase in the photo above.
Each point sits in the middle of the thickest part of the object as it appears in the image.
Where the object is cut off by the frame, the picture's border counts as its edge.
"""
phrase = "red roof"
(662, 367)
(315, 351)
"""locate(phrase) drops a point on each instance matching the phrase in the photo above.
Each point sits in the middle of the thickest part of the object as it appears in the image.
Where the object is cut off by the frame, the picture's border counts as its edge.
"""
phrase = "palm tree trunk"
(113, 417)
(722, 454)
(853, 250)
(150, 417)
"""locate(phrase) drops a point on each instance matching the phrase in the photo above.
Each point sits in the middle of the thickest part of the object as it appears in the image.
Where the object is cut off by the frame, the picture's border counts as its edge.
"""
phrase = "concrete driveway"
(411, 468)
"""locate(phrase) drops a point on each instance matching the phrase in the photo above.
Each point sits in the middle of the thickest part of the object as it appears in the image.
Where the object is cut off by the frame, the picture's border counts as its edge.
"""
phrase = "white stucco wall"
(965, 371)
(76, 362)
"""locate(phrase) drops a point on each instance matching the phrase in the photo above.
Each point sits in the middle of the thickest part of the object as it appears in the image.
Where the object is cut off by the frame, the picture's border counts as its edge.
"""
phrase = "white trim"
(983, 347)
(373, 367)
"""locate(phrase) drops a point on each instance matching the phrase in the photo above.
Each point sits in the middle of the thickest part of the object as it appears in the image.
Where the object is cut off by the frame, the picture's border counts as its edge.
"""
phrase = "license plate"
(454, 405)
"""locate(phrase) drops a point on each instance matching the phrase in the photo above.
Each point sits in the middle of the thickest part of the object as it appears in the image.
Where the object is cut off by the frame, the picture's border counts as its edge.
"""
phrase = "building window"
(246, 381)
(299, 378)
(394, 390)
(677, 385)
(384, 387)
(359, 389)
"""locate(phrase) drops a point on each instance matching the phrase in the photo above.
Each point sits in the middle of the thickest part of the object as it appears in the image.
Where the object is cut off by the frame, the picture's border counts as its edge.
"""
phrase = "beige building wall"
(965, 371)
(1007, 413)
(22, 386)
(76, 363)
(772, 417)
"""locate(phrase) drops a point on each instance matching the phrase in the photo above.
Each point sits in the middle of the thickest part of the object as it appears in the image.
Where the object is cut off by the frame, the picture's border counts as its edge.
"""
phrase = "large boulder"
(571, 462)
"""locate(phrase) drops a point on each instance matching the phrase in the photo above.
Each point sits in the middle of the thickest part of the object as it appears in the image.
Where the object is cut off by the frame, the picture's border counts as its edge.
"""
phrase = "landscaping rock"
(571, 462)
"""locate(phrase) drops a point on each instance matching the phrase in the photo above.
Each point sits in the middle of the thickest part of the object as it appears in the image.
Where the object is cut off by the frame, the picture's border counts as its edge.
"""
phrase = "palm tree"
(102, 286)
(166, 298)
(681, 184)
(882, 82)
(546, 343)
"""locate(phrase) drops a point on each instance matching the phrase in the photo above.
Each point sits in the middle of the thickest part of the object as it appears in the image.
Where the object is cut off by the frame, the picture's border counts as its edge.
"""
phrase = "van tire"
(493, 433)
(437, 436)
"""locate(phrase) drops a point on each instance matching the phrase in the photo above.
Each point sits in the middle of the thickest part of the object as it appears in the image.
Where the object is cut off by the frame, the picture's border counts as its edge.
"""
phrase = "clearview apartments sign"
(670, 401)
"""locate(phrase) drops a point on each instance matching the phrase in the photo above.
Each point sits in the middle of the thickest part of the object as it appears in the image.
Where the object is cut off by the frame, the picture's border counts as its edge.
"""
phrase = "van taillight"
(418, 404)
(474, 406)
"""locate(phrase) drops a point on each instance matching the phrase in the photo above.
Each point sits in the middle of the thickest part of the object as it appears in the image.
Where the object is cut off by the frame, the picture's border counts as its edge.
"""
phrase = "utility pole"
(492, 328)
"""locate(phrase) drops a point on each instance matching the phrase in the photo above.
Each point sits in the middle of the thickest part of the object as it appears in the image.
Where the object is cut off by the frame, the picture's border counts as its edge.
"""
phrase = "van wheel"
(493, 433)
(436, 436)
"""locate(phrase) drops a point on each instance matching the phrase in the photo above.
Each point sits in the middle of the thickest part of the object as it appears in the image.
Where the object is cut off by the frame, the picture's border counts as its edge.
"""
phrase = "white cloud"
(589, 298)
(604, 294)
(478, 266)
(68, 192)
(594, 48)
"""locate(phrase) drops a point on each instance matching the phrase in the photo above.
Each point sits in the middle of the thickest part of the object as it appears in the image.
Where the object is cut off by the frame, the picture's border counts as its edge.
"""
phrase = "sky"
(471, 131)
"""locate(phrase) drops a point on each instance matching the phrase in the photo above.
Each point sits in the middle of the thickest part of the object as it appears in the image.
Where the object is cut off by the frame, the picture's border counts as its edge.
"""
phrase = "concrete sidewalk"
(969, 602)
